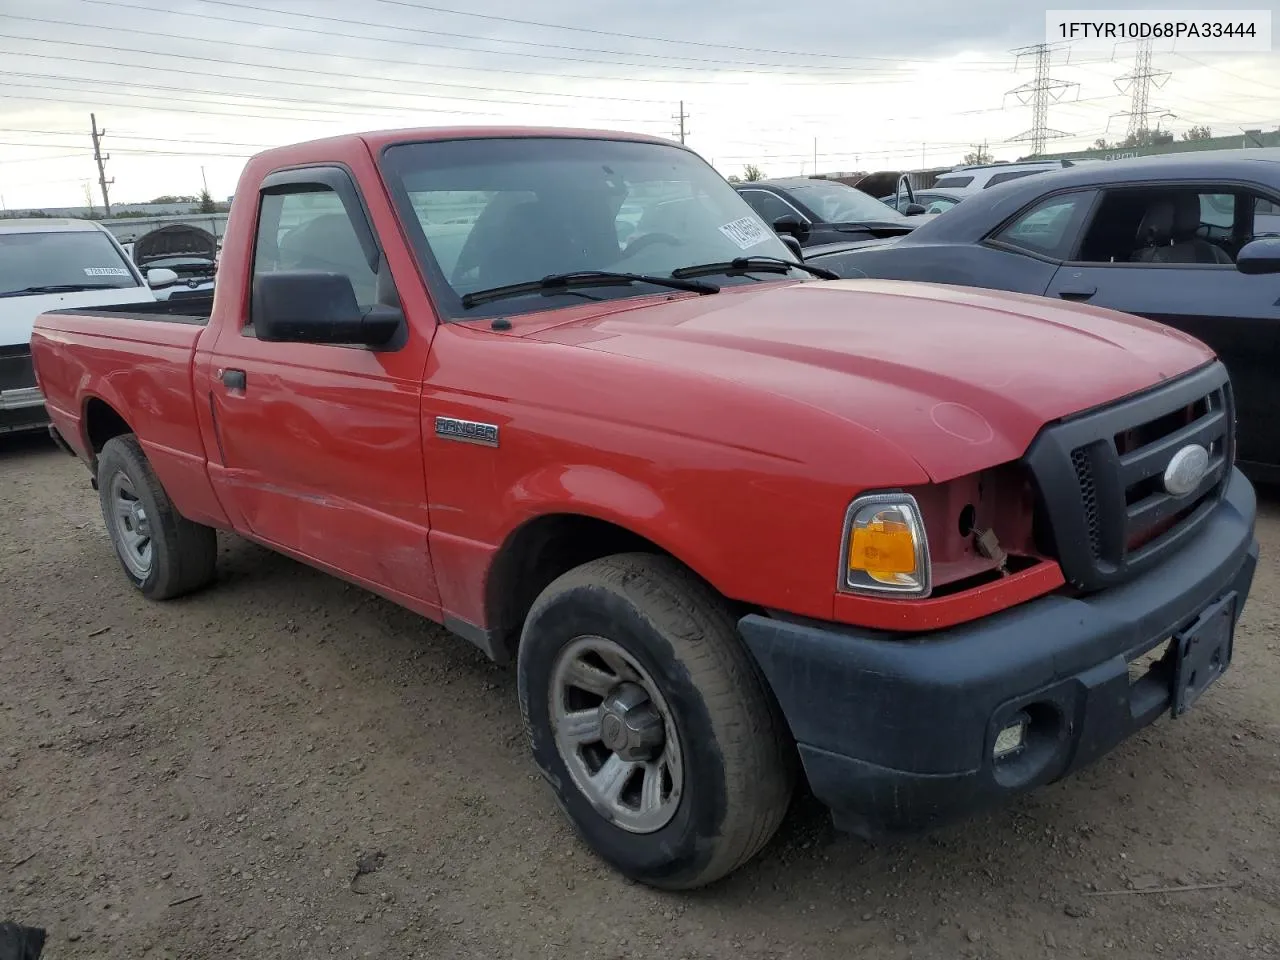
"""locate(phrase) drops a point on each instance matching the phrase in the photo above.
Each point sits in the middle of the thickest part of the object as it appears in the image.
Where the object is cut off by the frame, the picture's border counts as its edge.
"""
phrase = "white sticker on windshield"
(106, 271)
(746, 232)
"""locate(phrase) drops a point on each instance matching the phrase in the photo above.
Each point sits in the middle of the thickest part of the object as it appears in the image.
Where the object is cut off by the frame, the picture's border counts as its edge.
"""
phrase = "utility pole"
(681, 117)
(815, 156)
(1039, 93)
(101, 160)
(203, 182)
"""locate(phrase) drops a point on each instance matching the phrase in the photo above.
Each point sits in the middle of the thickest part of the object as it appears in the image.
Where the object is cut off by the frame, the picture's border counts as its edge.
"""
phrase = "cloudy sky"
(204, 83)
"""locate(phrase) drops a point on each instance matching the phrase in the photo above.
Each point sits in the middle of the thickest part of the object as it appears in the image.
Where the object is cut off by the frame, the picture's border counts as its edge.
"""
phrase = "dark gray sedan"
(1184, 239)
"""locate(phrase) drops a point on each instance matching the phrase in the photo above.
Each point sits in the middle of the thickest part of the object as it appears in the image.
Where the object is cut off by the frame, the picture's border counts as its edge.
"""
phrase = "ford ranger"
(733, 523)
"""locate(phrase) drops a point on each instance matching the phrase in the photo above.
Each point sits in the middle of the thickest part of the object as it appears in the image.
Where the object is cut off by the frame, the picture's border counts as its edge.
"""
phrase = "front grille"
(187, 294)
(1103, 506)
(1088, 499)
(16, 371)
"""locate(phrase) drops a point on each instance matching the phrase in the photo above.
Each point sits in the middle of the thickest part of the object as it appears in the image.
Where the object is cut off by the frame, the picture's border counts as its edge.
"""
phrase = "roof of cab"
(378, 139)
(48, 225)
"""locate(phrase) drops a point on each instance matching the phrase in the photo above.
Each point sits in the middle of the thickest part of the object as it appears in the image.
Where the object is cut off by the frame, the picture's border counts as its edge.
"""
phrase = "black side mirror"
(792, 226)
(314, 306)
(1259, 256)
(793, 245)
(915, 209)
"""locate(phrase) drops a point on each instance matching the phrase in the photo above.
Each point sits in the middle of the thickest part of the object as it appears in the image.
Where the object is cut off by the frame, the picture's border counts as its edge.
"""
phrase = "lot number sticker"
(106, 271)
(746, 232)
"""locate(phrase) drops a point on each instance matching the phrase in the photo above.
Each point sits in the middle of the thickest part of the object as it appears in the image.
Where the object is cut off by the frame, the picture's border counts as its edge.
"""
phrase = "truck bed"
(136, 360)
(193, 310)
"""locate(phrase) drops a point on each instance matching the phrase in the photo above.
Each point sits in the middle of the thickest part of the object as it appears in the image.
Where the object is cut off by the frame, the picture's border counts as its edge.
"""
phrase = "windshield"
(62, 259)
(837, 202)
(492, 212)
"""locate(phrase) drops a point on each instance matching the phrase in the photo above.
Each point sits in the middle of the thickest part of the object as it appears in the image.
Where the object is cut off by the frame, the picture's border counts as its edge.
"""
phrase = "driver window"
(312, 231)
(1170, 225)
(770, 207)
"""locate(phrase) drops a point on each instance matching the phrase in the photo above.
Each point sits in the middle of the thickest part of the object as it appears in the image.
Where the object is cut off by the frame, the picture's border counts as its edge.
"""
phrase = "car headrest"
(1156, 226)
(1186, 215)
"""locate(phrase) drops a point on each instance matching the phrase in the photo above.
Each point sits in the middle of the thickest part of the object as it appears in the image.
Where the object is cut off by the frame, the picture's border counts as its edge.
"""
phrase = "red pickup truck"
(564, 393)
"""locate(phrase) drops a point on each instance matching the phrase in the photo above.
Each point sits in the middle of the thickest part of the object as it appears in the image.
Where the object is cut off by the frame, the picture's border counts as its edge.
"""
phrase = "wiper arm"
(60, 288)
(873, 226)
(557, 282)
(753, 264)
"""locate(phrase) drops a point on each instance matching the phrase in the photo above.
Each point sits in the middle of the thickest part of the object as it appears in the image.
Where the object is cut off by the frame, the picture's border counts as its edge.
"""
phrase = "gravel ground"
(200, 778)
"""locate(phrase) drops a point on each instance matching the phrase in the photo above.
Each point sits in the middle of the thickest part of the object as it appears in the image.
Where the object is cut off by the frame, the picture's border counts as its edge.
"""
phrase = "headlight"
(884, 549)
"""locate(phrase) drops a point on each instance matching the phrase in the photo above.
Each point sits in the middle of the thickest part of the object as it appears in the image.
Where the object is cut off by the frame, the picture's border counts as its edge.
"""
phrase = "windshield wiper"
(753, 264)
(873, 226)
(558, 282)
(59, 288)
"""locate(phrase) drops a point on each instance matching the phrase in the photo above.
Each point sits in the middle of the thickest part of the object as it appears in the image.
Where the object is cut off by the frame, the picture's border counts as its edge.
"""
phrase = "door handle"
(233, 379)
(1077, 292)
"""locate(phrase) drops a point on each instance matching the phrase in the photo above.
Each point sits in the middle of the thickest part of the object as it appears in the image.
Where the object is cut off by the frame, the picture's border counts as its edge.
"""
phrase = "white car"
(51, 264)
(966, 180)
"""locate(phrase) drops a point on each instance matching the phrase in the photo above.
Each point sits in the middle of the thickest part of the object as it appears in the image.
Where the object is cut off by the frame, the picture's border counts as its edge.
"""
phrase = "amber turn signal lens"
(882, 548)
(885, 549)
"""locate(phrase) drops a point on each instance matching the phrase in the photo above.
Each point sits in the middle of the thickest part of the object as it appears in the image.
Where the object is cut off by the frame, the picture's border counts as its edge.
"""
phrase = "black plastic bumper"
(23, 418)
(899, 733)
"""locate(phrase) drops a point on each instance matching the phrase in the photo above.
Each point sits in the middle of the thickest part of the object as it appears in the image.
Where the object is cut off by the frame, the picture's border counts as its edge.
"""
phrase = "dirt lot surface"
(199, 779)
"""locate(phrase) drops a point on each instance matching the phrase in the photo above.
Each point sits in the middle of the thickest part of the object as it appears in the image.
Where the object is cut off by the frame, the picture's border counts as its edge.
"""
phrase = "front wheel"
(652, 724)
(163, 553)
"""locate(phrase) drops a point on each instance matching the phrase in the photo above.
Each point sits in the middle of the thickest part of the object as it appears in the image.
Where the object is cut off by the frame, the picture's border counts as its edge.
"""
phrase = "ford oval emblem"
(1186, 469)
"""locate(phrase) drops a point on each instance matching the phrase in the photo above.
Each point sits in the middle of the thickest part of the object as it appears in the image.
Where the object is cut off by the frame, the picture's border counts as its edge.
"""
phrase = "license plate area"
(1201, 653)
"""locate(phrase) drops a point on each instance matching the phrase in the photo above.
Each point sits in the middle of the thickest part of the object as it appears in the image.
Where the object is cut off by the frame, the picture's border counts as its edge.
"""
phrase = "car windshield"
(63, 259)
(497, 211)
(837, 202)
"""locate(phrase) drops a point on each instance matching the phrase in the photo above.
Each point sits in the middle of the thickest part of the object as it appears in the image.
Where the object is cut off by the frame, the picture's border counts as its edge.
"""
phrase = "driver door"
(320, 445)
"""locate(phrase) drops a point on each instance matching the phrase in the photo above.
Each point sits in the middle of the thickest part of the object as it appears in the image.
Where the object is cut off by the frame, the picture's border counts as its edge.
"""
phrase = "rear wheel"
(649, 719)
(163, 553)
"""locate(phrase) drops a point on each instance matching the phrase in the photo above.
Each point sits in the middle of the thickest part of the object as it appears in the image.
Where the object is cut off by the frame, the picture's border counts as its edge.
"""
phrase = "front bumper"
(898, 733)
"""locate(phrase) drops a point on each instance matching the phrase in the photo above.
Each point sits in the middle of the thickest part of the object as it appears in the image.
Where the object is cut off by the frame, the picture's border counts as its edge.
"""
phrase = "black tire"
(183, 553)
(738, 760)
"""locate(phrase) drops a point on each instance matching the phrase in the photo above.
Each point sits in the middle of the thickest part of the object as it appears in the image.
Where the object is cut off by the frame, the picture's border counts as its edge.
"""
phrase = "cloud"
(206, 82)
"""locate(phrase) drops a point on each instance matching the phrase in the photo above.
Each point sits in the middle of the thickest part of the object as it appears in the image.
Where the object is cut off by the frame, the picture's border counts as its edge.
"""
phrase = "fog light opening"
(1012, 738)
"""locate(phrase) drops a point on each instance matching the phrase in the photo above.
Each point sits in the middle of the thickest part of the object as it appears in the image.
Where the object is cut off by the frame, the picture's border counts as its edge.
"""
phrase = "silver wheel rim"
(132, 526)
(615, 734)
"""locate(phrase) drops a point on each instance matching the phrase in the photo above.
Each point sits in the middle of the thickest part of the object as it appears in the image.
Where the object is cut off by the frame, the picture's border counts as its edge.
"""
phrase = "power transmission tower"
(1039, 93)
(1137, 84)
(680, 118)
(101, 161)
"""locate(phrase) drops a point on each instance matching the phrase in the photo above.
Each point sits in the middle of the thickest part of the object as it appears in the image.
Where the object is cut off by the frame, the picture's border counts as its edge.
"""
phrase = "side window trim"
(338, 180)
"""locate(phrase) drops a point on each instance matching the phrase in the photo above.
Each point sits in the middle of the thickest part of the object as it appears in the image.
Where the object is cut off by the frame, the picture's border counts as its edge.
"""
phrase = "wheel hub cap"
(131, 526)
(629, 724)
(616, 735)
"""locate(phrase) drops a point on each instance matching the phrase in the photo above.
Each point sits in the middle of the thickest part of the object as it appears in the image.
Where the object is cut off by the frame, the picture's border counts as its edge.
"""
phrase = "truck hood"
(174, 240)
(957, 378)
(18, 314)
